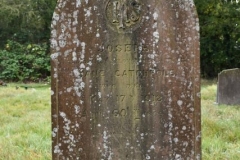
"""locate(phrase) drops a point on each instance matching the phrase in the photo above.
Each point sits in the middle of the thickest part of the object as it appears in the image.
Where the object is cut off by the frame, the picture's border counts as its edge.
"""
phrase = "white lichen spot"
(54, 132)
(83, 45)
(56, 16)
(78, 3)
(90, 63)
(54, 56)
(54, 33)
(76, 73)
(82, 85)
(152, 147)
(107, 153)
(81, 102)
(62, 114)
(170, 116)
(95, 8)
(76, 88)
(75, 16)
(175, 140)
(74, 55)
(155, 16)
(88, 12)
(82, 66)
(69, 89)
(67, 52)
(71, 137)
(57, 149)
(154, 25)
(165, 125)
(177, 157)
(62, 43)
(156, 36)
(184, 128)
(190, 85)
(55, 75)
(52, 92)
(197, 28)
(77, 109)
(177, 14)
(185, 144)
(105, 138)
(99, 94)
(99, 59)
(180, 102)
(151, 56)
(148, 157)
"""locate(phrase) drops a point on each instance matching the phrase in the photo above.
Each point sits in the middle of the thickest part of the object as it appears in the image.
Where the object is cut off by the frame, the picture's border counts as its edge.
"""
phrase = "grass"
(25, 127)
(220, 126)
(25, 124)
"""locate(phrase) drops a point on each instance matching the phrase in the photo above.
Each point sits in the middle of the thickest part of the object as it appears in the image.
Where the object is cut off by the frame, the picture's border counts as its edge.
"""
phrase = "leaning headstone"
(125, 80)
(228, 91)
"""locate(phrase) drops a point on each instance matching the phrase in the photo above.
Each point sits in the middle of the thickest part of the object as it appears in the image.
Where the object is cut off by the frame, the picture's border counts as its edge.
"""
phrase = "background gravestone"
(229, 87)
(125, 80)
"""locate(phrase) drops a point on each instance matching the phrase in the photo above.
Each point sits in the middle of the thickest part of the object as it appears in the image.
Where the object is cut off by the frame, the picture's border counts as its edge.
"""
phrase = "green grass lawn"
(220, 127)
(25, 124)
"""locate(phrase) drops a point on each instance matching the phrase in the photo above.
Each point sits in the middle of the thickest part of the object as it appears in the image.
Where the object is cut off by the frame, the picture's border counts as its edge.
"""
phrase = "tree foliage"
(220, 35)
(24, 39)
(20, 62)
(25, 20)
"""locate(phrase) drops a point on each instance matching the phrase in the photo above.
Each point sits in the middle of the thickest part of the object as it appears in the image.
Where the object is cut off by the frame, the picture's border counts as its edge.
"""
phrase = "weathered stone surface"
(125, 80)
(229, 87)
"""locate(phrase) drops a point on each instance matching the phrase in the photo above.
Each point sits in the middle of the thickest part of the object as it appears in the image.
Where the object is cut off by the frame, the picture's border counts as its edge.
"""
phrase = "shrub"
(24, 62)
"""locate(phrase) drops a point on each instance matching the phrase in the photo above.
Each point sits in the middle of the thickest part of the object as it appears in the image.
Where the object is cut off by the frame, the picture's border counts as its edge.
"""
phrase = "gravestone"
(125, 80)
(228, 91)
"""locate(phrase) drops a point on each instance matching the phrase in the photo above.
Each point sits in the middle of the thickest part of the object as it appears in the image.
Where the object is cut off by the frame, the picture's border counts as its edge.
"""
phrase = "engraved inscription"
(126, 73)
(122, 98)
(123, 14)
(119, 112)
(124, 48)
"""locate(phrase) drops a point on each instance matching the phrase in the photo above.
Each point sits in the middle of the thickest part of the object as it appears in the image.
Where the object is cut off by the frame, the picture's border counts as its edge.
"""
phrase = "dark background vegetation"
(219, 35)
(25, 33)
(24, 39)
